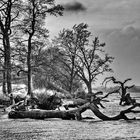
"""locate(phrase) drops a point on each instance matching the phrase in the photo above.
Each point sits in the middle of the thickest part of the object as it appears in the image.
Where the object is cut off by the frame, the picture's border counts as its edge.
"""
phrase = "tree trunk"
(71, 85)
(9, 87)
(5, 66)
(71, 82)
(89, 88)
(72, 75)
(7, 62)
(103, 117)
(8, 67)
(29, 68)
(4, 83)
(42, 114)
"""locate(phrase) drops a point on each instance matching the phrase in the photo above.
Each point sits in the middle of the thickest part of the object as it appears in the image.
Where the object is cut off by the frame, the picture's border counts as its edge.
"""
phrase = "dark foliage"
(48, 102)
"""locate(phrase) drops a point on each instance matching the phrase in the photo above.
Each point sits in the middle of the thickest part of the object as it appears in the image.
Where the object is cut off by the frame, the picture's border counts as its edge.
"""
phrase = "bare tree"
(121, 86)
(84, 59)
(67, 45)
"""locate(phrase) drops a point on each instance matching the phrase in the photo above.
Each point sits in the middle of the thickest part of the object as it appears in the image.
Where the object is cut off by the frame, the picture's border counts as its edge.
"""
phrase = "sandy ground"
(57, 129)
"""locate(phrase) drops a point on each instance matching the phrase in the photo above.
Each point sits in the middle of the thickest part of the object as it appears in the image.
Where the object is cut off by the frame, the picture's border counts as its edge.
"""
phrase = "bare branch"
(128, 87)
(1, 50)
(115, 91)
(13, 19)
(18, 73)
(127, 80)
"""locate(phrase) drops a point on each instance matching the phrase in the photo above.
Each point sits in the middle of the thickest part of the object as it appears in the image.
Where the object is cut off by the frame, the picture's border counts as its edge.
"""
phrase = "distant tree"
(32, 26)
(83, 58)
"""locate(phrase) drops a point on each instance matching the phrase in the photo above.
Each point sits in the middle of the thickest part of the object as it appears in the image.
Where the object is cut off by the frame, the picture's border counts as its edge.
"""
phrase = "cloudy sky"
(115, 22)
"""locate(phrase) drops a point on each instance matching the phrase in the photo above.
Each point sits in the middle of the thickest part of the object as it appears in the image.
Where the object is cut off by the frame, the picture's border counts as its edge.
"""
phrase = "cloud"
(124, 44)
(126, 33)
(129, 31)
(74, 7)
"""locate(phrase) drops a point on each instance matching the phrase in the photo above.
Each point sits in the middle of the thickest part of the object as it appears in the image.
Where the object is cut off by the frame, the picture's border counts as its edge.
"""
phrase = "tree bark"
(4, 83)
(9, 87)
(7, 63)
(72, 74)
(41, 114)
(7, 66)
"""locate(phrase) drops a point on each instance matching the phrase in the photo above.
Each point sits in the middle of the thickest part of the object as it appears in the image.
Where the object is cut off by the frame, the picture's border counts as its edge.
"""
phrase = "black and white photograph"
(69, 69)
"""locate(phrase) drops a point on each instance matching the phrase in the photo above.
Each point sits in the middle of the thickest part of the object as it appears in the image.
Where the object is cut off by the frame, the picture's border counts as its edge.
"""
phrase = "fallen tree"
(73, 114)
(121, 115)
(93, 98)
(42, 114)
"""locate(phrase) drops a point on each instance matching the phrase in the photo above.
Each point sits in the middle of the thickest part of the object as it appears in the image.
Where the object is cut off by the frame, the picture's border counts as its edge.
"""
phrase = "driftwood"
(123, 89)
(42, 114)
(92, 99)
(73, 114)
(121, 115)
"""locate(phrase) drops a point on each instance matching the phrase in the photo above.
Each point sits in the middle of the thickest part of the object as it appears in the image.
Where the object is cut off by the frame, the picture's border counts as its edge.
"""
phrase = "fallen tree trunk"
(103, 117)
(42, 114)
(72, 114)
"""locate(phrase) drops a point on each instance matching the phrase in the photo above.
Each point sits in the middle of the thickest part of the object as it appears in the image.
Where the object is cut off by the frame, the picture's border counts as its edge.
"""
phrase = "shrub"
(80, 94)
(48, 101)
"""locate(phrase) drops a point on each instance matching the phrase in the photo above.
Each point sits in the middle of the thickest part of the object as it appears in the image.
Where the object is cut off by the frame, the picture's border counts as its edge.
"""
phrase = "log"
(72, 114)
(42, 114)
(121, 115)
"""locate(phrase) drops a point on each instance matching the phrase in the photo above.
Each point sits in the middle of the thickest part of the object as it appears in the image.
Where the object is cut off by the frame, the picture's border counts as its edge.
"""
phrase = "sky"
(115, 22)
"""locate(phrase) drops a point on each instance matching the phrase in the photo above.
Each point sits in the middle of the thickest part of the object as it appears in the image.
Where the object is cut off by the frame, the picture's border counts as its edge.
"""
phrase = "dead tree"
(122, 87)
(121, 115)
(42, 114)
(76, 113)
(78, 102)
(73, 114)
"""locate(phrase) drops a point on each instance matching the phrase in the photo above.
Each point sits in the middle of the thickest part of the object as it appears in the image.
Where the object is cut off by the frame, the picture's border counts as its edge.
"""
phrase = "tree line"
(72, 58)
